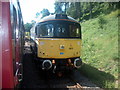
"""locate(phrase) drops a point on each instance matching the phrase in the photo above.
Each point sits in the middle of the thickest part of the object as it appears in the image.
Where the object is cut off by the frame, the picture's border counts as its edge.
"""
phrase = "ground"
(33, 77)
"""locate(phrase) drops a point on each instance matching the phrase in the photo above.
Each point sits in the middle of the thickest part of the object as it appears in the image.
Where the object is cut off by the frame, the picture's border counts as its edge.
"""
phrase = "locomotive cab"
(56, 42)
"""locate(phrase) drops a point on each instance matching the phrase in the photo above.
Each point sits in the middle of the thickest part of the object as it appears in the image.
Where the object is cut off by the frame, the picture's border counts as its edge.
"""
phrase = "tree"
(75, 10)
(37, 14)
(90, 10)
(72, 10)
(33, 22)
(61, 7)
(28, 26)
(78, 10)
(45, 12)
(58, 7)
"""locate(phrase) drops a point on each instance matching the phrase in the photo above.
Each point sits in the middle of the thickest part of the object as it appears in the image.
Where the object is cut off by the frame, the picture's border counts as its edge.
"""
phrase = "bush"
(101, 21)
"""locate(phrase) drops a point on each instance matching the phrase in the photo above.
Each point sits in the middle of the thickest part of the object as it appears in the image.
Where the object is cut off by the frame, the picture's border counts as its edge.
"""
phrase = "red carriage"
(11, 43)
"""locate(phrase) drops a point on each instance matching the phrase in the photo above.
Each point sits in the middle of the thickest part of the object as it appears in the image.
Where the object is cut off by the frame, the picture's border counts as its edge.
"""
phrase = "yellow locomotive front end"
(58, 48)
(57, 43)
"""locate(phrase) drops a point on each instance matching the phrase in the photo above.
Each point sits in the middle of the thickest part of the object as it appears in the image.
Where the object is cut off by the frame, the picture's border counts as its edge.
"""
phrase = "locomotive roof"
(58, 17)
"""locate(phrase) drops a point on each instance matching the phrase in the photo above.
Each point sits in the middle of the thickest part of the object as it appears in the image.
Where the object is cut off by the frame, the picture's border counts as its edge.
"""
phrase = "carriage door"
(15, 44)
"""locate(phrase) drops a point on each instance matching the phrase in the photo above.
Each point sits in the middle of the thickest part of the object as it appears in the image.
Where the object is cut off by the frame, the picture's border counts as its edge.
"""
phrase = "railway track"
(76, 84)
(36, 78)
(64, 83)
(53, 81)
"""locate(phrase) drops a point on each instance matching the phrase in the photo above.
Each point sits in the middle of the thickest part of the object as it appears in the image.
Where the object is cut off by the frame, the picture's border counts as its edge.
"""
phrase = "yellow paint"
(58, 48)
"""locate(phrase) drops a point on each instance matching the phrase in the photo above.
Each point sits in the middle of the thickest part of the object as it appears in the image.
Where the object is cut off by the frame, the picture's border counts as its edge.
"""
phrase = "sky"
(29, 8)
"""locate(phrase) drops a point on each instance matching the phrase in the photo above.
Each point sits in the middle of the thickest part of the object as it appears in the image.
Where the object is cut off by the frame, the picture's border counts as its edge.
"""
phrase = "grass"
(100, 50)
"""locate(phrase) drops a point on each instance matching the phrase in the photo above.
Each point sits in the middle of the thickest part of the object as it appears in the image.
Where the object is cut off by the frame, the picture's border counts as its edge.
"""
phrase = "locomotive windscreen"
(59, 29)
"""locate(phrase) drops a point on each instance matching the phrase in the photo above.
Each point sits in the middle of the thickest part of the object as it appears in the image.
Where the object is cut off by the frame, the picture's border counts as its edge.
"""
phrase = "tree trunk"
(90, 10)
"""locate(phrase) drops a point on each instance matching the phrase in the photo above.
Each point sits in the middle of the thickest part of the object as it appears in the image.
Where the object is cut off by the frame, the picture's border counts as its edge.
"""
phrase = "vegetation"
(85, 10)
(43, 13)
(58, 8)
(100, 49)
(99, 21)
(28, 26)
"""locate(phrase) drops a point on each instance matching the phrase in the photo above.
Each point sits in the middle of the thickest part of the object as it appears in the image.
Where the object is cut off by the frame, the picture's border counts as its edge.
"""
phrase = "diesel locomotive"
(56, 42)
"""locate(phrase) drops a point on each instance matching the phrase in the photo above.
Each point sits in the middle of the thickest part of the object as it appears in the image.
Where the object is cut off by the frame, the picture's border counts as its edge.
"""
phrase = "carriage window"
(45, 30)
(13, 21)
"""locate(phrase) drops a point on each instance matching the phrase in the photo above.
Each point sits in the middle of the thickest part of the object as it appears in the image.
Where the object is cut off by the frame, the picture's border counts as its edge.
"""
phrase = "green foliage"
(45, 12)
(86, 10)
(37, 14)
(28, 26)
(101, 21)
(100, 49)
(33, 22)
(103, 79)
(58, 7)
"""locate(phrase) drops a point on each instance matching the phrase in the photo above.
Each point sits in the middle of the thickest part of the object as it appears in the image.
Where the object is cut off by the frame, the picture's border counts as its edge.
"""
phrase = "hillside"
(100, 49)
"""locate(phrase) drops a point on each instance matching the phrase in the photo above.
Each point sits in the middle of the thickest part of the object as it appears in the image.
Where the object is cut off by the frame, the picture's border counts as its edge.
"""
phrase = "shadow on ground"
(102, 79)
(33, 77)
